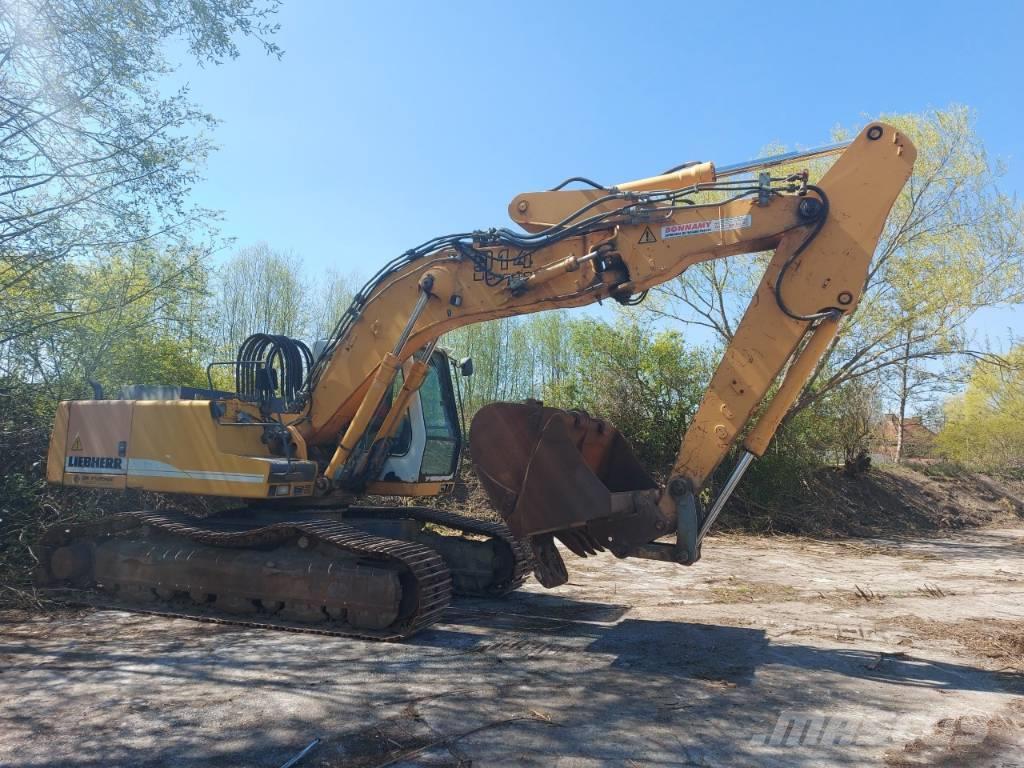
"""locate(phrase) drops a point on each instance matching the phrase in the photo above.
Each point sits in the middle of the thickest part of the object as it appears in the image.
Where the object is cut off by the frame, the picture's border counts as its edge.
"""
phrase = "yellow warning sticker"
(77, 445)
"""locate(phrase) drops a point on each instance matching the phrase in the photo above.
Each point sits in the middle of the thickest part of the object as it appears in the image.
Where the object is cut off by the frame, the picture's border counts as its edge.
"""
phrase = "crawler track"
(425, 581)
(517, 561)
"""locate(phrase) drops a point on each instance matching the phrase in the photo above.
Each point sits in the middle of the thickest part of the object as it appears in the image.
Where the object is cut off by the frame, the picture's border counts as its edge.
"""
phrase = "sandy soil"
(770, 652)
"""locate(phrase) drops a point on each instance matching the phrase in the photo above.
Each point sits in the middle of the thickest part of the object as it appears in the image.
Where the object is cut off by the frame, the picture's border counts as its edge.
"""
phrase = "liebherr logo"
(94, 462)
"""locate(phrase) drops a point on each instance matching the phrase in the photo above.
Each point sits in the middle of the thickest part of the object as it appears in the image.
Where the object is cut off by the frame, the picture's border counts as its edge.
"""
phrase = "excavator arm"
(588, 245)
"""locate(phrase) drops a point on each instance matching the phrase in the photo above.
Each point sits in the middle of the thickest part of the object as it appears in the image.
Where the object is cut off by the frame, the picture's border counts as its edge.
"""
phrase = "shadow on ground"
(161, 692)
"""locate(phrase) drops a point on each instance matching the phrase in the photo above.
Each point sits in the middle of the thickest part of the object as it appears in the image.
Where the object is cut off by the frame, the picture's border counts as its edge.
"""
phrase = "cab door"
(428, 444)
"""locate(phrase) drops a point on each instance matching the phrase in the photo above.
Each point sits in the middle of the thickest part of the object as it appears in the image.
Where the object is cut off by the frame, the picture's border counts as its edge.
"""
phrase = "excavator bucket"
(563, 474)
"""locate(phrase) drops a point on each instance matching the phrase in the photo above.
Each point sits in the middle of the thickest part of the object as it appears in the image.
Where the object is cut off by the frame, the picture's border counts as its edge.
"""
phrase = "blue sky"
(386, 124)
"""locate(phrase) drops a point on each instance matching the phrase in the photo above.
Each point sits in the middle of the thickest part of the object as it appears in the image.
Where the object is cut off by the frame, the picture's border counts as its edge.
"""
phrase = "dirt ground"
(889, 500)
(769, 652)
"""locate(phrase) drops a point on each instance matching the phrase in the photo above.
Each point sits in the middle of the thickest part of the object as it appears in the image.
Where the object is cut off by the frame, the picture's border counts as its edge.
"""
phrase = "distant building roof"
(917, 438)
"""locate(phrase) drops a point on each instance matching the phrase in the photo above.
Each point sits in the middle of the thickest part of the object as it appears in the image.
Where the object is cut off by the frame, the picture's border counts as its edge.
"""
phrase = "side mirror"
(466, 366)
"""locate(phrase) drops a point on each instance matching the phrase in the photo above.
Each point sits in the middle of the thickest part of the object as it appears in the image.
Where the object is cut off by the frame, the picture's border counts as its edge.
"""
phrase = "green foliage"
(645, 381)
(96, 155)
(944, 469)
(259, 290)
(513, 357)
(984, 427)
(26, 502)
(952, 245)
(136, 316)
(832, 430)
(648, 382)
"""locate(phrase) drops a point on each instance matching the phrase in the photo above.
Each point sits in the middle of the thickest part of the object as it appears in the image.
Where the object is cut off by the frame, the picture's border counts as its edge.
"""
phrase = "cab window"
(440, 417)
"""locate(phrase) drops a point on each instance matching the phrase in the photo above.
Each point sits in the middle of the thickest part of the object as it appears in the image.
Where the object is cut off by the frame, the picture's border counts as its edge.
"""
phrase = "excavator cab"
(423, 457)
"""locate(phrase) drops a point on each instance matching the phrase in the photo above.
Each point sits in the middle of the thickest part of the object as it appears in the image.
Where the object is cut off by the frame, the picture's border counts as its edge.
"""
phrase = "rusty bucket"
(563, 474)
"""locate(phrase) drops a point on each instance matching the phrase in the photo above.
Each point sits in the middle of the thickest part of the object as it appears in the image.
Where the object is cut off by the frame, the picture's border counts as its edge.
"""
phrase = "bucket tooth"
(548, 565)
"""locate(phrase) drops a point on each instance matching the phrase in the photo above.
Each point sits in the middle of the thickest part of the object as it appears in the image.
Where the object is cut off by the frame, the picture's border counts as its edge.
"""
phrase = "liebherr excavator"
(303, 437)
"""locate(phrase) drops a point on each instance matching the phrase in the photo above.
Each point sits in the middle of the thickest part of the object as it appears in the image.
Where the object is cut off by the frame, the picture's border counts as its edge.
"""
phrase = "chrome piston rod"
(730, 486)
(749, 166)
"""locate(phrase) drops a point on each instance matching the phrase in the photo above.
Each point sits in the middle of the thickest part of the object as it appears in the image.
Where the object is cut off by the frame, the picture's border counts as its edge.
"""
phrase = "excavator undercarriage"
(373, 572)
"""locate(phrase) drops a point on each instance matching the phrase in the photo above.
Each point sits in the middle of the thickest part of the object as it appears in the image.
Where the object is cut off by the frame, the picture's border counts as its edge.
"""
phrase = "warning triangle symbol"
(647, 236)
(77, 445)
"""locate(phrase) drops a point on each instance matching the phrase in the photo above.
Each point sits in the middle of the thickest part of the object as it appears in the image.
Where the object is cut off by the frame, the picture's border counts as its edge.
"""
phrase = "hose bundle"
(635, 206)
(269, 365)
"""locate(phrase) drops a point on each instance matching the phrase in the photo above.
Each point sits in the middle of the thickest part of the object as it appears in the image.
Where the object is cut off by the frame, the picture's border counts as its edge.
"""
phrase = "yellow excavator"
(307, 435)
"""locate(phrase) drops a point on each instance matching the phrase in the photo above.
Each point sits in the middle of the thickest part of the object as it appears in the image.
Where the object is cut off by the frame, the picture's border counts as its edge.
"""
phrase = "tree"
(850, 420)
(554, 355)
(331, 294)
(136, 317)
(502, 353)
(984, 427)
(93, 157)
(260, 290)
(952, 245)
(918, 376)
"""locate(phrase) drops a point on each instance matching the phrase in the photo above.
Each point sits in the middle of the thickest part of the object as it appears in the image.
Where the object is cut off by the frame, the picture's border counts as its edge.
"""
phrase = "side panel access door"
(97, 443)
